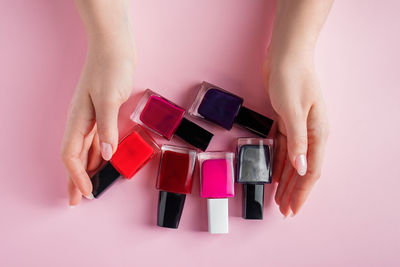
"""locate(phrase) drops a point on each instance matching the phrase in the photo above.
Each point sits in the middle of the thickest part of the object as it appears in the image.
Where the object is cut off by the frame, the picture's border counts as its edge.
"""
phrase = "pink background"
(352, 217)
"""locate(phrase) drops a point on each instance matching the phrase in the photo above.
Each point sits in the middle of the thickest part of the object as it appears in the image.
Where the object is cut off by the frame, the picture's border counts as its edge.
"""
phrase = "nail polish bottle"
(216, 105)
(174, 181)
(168, 119)
(217, 185)
(133, 152)
(254, 169)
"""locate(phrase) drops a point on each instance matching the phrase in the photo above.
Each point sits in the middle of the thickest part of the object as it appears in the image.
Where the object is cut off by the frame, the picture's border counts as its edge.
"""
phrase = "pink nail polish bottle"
(217, 185)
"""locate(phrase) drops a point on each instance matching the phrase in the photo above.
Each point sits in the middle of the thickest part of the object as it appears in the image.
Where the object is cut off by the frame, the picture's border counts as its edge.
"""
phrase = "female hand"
(302, 126)
(106, 82)
(91, 132)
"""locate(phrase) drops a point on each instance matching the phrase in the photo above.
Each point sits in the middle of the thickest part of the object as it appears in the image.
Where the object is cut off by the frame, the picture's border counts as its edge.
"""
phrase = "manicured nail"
(301, 164)
(286, 215)
(90, 196)
(71, 206)
(292, 214)
(106, 151)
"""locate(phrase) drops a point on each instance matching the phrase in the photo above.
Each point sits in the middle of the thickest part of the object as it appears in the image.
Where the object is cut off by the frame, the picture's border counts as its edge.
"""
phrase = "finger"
(318, 136)
(79, 125)
(296, 127)
(84, 161)
(284, 204)
(107, 126)
(87, 143)
(74, 194)
(79, 176)
(305, 183)
(279, 157)
(287, 173)
(274, 129)
(95, 159)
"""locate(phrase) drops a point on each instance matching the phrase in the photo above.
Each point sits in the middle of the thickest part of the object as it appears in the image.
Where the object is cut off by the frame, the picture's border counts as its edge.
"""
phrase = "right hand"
(302, 130)
(91, 132)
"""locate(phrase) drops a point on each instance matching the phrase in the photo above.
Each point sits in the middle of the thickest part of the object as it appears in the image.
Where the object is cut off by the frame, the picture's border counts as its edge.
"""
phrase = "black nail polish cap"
(170, 206)
(103, 179)
(254, 121)
(194, 134)
(253, 201)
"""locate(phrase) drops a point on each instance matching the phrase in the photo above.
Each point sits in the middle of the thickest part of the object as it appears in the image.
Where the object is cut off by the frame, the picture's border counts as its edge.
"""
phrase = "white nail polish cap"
(217, 215)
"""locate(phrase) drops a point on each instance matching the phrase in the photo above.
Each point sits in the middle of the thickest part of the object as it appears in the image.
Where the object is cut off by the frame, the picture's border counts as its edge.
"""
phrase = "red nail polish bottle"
(174, 182)
(133, 152)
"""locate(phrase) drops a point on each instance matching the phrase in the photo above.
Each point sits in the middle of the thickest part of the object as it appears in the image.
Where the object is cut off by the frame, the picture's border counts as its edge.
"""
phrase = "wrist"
(110, 41)
(117, 45)
(108, 24)
(283, 58)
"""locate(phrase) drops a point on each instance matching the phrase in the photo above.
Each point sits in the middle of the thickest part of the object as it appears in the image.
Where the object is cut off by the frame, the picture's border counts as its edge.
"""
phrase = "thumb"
(107, 127)
(297, 142)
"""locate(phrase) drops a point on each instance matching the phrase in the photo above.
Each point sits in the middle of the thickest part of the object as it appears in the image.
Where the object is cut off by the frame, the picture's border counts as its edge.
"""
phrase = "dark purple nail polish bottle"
(223, 108)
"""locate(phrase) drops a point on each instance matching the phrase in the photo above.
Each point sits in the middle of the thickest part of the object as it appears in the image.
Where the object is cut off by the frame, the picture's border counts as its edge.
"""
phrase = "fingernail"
(286, 215)
(301, 164)
(292, 214)
(71, 206)
(106, 151)
(90, 196)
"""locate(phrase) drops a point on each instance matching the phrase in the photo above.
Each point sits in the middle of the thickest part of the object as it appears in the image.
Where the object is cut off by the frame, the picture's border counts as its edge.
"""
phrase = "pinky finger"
(74, 194)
